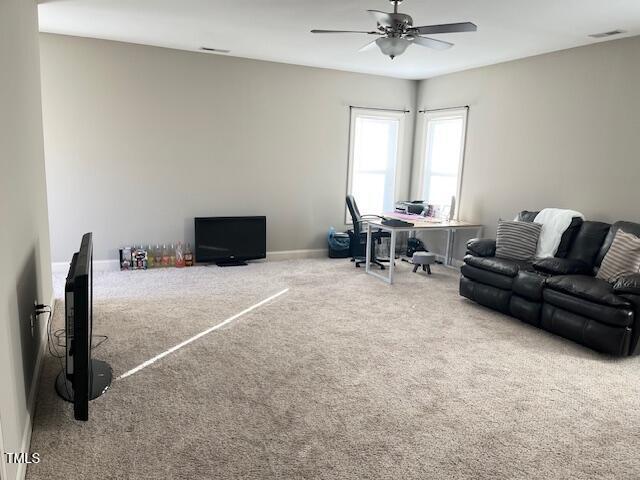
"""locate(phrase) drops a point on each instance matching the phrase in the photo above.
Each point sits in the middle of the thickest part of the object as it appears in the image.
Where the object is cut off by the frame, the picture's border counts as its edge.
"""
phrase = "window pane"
(443, 152)
(367, 189)
(374, 156)
(375, 143)
(445, 145)
(441, 189)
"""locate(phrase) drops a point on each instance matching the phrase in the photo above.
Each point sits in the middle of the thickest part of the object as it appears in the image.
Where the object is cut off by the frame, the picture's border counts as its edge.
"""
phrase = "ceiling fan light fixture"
(392, 46)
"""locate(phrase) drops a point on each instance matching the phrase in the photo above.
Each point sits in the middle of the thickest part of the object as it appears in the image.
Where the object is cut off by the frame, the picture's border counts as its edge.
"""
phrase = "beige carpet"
(343, 377)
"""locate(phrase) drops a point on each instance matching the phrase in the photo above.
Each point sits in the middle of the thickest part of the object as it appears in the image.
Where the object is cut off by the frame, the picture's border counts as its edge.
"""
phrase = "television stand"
(232, 263)
(99, 382)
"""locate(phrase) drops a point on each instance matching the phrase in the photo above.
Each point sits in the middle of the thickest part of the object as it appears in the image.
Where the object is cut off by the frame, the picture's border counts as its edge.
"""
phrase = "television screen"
(230, 240)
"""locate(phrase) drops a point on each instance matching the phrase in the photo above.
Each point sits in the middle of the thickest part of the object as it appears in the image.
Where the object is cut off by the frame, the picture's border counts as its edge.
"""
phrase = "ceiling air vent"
(214, 50)
(607, 34)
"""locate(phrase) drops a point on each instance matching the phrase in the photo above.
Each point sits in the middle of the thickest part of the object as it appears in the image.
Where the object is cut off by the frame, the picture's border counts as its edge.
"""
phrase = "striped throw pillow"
(517, 240)
(622, 258)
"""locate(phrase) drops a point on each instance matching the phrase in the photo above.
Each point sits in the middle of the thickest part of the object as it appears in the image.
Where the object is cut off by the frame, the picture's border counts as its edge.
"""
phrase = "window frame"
(354, 114)
(441, 114)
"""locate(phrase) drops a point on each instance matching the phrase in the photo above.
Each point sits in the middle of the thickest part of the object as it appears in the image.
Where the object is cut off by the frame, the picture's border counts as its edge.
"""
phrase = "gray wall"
(25, 275)
(556, 130)
(147, 138)
(152, 137)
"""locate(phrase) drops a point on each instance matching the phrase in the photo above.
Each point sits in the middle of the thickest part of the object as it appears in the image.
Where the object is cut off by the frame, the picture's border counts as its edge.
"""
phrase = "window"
(374, 148)
(443, 155)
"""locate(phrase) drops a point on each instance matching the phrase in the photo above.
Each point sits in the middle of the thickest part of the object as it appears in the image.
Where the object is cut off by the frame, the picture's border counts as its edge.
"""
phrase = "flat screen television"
(82, 378)
(229, 241)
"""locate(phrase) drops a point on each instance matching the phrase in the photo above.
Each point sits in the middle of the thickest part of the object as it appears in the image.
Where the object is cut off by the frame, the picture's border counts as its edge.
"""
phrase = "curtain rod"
(381, 109)
(441, 109)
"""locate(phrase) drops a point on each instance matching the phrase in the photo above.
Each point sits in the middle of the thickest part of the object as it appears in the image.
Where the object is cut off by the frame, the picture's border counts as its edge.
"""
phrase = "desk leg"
(447, 254)
(367, 263)
(392, 256)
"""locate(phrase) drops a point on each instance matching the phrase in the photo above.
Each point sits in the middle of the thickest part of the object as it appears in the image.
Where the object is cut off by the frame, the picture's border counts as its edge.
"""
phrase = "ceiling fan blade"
(430, 42)
(344, 31)
(446, 28)
(368, 46)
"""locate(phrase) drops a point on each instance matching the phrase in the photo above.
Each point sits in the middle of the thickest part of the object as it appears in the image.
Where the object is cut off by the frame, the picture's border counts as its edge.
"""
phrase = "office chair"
(358, 238)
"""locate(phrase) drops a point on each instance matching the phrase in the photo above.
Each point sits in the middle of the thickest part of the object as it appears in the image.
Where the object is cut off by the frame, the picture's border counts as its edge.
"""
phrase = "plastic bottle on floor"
(157, 256)
(188, 256)
(165, 256)
(179, 255)
(151, 259)
(172, 255)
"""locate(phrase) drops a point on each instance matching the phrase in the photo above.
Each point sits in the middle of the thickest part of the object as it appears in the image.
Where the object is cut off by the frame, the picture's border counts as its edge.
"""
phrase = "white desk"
(419, 224)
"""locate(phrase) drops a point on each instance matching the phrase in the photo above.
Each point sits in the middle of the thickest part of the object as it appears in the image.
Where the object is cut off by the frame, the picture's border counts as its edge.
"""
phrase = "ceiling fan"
(396, 32)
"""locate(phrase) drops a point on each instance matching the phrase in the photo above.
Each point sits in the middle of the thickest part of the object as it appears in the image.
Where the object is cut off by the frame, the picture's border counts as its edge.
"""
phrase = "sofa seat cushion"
(501, 266)
(604, 338)
(487, 277)
(529, 285)
(588, 288)
(562, 266)
(614, 316)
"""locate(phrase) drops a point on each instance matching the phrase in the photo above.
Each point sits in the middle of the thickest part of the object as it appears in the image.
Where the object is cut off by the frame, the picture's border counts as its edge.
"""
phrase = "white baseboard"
(455, 263)
(33, 395)
(297, 254)
(114, 265)
(98, 266)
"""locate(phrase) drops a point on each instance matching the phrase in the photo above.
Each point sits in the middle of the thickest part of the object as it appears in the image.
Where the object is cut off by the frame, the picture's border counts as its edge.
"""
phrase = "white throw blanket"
(555, 222)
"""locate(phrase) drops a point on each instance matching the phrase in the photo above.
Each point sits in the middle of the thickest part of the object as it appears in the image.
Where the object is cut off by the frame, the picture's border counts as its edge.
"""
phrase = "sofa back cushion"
(588, 242)
(622, 258)
(517, 240)
(527, 216)
(629, 227)
(568, 236)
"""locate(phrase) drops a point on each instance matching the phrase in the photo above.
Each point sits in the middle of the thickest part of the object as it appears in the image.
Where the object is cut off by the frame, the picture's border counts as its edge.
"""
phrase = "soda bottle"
(157, 259)
(188, 256)
(165, 256)
(151, 259)
(179, 255)
(172, 256)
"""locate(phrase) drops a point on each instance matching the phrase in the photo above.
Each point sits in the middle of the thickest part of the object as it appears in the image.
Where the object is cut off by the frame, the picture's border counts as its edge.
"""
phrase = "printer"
(411, 206)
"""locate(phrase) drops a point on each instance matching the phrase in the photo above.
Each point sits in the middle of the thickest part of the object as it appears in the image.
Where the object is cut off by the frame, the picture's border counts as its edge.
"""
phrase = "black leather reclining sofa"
(561, 294)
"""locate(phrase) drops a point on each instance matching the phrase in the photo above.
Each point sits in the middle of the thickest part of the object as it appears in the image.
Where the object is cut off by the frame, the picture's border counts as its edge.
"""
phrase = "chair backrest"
(356, 218)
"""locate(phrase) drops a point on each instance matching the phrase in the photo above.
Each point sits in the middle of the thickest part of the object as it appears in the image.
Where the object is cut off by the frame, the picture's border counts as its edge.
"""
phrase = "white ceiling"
(278, 30)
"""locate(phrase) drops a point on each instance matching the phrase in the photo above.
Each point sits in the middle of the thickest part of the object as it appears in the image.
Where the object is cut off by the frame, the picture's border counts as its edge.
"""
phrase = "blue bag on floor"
(338, 244)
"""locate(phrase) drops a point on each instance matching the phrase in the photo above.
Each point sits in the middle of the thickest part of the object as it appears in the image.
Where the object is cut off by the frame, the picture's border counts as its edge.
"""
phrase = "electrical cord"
(41, 309)
(55, 340)
(51, 346)
(60, 339)
(104, 339)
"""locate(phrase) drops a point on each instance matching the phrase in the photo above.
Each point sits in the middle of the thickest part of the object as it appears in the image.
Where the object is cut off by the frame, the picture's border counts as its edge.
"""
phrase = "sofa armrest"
(482, 247)
(562, 266)
(628, 284)
(624, 287)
